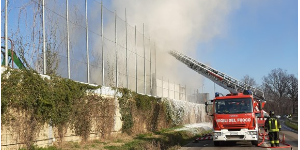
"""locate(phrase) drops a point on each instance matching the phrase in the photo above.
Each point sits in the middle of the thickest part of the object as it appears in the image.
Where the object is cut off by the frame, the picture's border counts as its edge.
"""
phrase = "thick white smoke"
(178, 25)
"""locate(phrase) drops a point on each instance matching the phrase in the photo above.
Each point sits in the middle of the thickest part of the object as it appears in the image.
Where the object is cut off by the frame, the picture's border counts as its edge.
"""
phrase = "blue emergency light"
(247, 92)
(217, 94)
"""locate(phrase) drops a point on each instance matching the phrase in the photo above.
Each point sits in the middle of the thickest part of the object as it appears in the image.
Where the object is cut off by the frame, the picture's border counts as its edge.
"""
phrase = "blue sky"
(256, 36)
(261, 36)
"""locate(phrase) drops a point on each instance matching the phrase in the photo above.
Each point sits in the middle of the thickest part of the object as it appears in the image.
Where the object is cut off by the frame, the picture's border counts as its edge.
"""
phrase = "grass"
(135, 144)
(145, 141)
(294, 118)
(39, 148)
(167, 139)
(291, 125)
(164, 139)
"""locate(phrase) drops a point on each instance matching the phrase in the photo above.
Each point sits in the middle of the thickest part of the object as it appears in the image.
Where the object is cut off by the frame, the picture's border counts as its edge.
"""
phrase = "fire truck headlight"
(217, 133)
(252, 132)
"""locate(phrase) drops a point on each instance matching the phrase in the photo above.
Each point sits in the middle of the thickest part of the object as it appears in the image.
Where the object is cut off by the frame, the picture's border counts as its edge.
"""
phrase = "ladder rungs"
(216, 76)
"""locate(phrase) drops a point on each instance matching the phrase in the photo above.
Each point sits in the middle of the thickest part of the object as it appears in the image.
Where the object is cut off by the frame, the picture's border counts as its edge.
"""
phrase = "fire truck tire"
(216, 143)
(254, 143)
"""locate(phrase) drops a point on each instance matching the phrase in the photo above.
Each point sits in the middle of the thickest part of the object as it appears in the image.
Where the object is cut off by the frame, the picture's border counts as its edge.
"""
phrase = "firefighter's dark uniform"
(273, 125)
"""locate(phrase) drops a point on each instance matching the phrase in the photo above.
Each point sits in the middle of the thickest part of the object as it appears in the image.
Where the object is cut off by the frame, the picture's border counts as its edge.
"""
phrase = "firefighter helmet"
(272, 113)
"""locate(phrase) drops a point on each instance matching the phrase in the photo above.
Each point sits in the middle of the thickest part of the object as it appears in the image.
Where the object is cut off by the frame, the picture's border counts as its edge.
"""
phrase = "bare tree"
(293, 90)
(249, 81)
(276, 90)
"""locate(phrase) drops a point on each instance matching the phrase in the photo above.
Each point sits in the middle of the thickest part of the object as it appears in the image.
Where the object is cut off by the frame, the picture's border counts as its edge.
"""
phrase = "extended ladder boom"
(223, 80)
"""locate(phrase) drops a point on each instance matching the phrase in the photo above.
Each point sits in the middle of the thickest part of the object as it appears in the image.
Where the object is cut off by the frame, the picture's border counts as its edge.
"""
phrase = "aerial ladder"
(227, 82)
(231, 84)
(221, 79)
(221, 129)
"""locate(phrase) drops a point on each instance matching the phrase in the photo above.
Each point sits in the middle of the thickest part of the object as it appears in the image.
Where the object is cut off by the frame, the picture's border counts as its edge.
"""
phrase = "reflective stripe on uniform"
(272, 142)
(277, 141)
(275, 128)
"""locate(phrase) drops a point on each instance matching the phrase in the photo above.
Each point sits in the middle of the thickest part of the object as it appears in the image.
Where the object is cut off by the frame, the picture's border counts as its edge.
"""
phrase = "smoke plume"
(178, 25)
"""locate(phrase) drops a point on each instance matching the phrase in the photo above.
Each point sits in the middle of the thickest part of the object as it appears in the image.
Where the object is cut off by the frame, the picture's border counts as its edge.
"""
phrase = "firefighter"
(272, 124)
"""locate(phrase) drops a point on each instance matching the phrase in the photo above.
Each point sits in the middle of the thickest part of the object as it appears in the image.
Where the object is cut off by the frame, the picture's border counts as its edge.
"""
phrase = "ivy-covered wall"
(30, 101)
(32, 105)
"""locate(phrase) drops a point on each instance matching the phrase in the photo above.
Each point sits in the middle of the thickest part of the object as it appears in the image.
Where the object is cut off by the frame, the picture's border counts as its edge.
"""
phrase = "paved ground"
(291, 137)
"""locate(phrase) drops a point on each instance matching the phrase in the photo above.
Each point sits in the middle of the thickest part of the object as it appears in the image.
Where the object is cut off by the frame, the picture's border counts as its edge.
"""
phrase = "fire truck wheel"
(216, 143)
(254, 143)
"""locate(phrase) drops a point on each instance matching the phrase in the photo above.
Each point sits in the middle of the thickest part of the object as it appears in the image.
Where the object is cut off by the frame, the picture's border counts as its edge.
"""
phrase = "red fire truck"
(236, 116)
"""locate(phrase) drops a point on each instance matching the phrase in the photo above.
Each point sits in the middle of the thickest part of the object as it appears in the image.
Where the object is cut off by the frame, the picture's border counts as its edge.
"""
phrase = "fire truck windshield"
(234, 106)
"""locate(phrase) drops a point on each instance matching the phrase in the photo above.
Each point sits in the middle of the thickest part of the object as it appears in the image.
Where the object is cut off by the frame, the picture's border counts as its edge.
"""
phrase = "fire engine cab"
(234, 118)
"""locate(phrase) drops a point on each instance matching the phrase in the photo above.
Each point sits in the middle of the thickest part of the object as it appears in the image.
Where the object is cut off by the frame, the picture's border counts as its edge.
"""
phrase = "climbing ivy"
(145, 106)
(53, 101)
(125, 103)
(173, 114)
(66, 103)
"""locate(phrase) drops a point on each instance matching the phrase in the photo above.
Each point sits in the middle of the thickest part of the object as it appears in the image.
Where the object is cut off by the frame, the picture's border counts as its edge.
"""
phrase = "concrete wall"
(11, 134)
(18, 128)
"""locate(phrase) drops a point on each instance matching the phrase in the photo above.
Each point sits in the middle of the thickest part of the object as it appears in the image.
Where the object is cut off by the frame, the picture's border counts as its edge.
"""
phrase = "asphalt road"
(291, 138)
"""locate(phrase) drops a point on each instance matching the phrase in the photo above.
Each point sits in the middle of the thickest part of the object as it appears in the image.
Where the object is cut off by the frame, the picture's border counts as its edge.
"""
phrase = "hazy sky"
(238, 38)
(261, 36)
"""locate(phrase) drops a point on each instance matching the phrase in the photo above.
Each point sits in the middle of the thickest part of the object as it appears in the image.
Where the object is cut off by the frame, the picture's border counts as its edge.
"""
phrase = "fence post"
(136, 77)
(145, 92)
(185, 92)
(6, 34)
(68, 39)
(168, 89)
(87, 44)
(162, 86)
(116, 49)
(174, 90)
(126, 50)
(150, 69)
(179, 92)
(103, 83)
(155, 66)
(44, 39)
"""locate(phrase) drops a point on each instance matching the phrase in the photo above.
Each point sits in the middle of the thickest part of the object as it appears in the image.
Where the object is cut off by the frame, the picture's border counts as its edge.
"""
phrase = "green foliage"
(133, 145)
(63, 102)
(129, 102)
(166, 130)
(167, 139)
(142, 136)
(164, 139)
(144, 102)
(54, 101)
(5, 99)
(125, 103)
(173, 115)
(40, 148)
(46, 99)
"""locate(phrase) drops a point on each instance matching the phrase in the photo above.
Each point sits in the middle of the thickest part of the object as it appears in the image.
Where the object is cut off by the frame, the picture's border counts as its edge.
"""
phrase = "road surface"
(291, 138)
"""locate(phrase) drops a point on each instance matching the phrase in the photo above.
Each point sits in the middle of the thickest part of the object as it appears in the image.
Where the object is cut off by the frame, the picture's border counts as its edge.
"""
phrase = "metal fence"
(84, 41)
